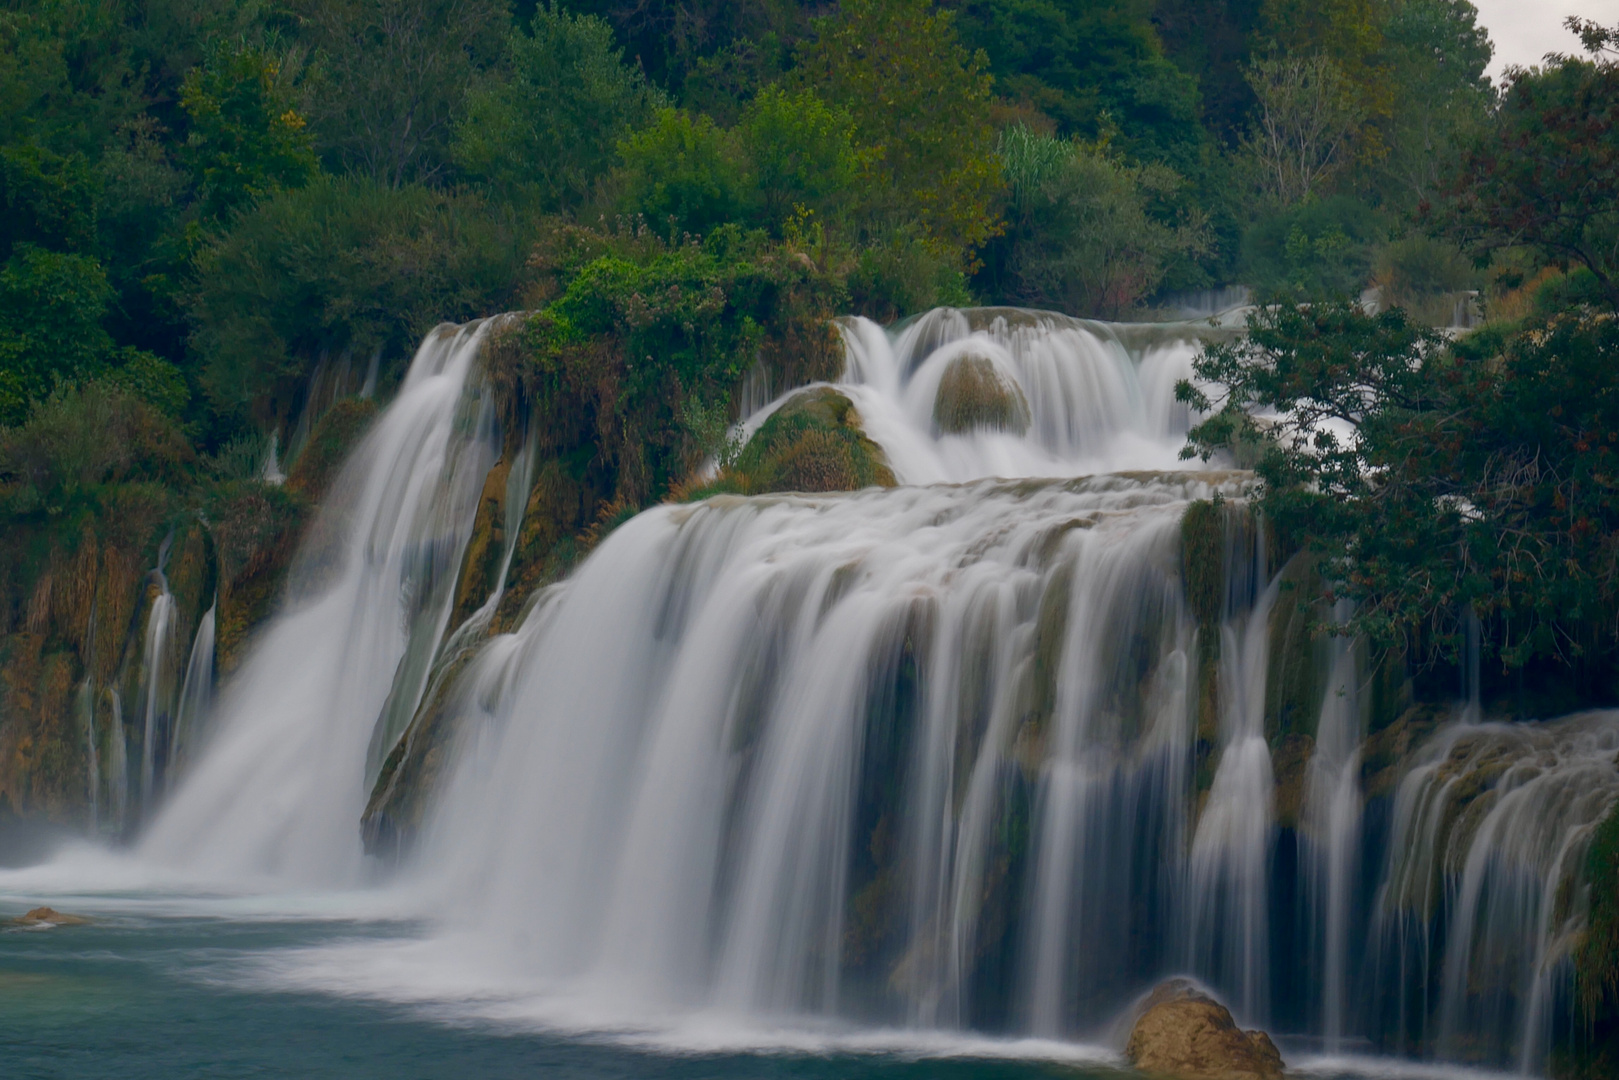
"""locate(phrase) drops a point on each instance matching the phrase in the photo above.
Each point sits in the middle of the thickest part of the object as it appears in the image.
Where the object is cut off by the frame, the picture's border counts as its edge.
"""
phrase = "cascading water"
(1229, 876)
(952, 755)
(1490, 827)
(157, 686)
(793, 754)
(1099, 401)
(1331, 833)
(197, 692)
(282, 778)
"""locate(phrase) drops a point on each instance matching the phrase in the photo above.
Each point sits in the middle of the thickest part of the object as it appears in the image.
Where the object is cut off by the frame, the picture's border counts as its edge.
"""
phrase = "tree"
(1544, 173)
(1307, 116)
(1080, 236)
(1092, 66)
(246, 139)
(395, 76)
(799, 153)
(921, 102)
(1433, 478)
(669, 41)
(551, 126)
(682, 172)
(51, 308)
(1435, 53)
(1213, 41)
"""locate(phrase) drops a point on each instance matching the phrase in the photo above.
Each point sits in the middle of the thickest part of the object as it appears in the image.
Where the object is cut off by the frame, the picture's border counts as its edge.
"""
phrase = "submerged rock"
(975, 394)
(44, 916)
(1183, 1032)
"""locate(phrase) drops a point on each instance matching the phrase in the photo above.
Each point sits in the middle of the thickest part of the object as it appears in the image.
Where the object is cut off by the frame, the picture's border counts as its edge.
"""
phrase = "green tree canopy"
(550, 127)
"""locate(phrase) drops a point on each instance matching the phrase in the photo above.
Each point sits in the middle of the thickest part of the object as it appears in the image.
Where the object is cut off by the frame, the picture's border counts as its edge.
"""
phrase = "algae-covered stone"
(974, 394)
(813, 443)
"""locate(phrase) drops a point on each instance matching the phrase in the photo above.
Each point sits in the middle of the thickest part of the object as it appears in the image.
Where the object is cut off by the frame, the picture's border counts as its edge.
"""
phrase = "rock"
(1184, 1033)
(974, 394)
(44, 916)
(813, 443)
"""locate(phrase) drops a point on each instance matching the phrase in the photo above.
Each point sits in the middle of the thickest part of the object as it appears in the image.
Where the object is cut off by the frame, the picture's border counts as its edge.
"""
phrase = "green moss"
(1597, 959)
(1203, 559)
(1294, 686)
(329, 445)
(814, 442)
(481, 563)
(974, 395)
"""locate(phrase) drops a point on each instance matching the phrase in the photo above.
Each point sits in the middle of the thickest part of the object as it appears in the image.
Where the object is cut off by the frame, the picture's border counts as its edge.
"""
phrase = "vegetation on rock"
(812, 443)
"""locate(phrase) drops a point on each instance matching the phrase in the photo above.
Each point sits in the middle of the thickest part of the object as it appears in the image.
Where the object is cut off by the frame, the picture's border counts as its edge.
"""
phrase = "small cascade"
(1490, 828)
(196, 693)
(280, 784)
(271, 472)
(156, 692)
(1229, 874)
(1098, 401)
(1331, 833)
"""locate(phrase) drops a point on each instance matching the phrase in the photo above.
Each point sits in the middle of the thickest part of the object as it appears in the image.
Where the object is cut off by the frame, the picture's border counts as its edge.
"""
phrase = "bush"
(1317, 249)
(81, 440)
(813, 443)
(1422, 274)
(1081, 234)
(682, 173)
(342, 265)
(647, 340)
(51, 308)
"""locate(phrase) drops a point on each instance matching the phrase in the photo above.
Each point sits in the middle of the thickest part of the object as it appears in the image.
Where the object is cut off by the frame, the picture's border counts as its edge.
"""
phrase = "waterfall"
(763, 752)
(279, 786)
(953, 755)
(84, 707)
(1098, 403)
(118, 765)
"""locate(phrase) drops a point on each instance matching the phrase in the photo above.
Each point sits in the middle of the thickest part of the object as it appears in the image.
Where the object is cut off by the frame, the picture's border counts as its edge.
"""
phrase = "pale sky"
(1523, 31)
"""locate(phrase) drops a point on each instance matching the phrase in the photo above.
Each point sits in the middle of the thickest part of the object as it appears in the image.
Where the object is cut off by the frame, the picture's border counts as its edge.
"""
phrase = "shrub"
(342, 264)
(683, 174)
(1082, 236)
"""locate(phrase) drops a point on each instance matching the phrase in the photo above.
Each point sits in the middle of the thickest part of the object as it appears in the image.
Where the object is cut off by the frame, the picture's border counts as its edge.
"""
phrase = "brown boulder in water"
(44, 916)
(1184, 1033)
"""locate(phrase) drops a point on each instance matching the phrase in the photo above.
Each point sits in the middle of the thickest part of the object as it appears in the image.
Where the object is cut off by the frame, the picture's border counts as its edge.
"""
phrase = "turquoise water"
(134, 997)
(147, 992)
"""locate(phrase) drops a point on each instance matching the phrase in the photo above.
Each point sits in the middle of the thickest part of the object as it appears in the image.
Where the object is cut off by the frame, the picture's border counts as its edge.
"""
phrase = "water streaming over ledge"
(956, 755)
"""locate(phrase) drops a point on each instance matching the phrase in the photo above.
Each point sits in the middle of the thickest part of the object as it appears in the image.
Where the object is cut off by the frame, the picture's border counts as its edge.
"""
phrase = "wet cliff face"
(120, 548)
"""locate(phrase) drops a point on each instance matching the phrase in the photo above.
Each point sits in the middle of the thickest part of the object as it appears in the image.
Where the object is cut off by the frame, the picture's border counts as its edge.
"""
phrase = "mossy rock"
(974, 395)
(813, 443)
(337, 433)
